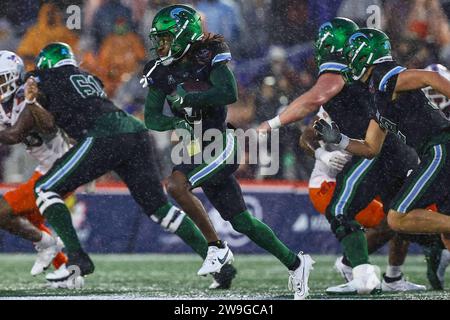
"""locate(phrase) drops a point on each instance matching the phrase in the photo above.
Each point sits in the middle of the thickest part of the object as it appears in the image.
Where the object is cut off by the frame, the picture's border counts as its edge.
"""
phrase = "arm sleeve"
(222, 92)
(154, 118)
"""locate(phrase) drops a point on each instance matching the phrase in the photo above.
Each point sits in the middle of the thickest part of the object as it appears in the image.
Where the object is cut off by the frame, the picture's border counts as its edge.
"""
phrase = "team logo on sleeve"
(171, 80)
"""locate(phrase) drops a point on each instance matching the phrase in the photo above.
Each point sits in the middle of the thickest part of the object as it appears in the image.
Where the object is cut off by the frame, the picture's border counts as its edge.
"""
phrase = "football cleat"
(437, 260)
(45, 256)
(223, 279)
(399, 285)
(298, 279)
(82, 261)
(64, 278)
(216, 259)
(344, 270)
(344, 289)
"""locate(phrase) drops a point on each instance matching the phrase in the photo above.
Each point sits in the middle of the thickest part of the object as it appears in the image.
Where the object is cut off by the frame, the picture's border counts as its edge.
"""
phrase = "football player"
(107, 139)
(437, 99)
(329, 162)
(19, 125)
(403, 109)
(183, 53)
(360, 181)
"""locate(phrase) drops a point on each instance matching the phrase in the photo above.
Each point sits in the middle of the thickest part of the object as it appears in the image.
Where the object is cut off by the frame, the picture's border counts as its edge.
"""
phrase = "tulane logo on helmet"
(175, 13)
(55, 55)
(332, 36)
(365, 48)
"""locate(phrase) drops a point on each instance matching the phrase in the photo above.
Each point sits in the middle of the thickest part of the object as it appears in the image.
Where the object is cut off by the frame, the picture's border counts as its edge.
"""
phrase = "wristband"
(344, 142)
(30, 101)
(274, 123)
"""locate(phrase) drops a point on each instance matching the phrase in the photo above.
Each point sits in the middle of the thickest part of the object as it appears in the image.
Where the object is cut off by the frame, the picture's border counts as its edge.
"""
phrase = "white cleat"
(45, 256)
(64, 278)
(345, 271)
(401, 285)
(344, 289)
(216, 259)
(298, 279)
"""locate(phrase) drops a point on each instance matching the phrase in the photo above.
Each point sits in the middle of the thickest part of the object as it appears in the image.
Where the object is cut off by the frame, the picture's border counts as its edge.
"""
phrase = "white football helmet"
(436, 98)
(12, 71)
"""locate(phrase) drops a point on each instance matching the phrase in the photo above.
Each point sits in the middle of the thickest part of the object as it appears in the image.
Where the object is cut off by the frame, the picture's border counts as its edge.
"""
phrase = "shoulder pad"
(220, 53)
(383, 73)
(332, 63)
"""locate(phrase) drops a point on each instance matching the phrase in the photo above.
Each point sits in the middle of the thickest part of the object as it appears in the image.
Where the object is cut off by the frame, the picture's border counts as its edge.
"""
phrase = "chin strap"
(144, 80)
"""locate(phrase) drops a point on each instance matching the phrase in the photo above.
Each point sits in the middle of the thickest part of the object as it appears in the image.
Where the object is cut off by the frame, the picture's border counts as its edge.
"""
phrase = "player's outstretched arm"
(413, 79)
(327, 86)
(368, 148)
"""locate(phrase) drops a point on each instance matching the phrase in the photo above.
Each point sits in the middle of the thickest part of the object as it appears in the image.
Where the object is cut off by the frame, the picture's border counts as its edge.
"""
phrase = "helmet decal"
(175, 13)
(356, 35)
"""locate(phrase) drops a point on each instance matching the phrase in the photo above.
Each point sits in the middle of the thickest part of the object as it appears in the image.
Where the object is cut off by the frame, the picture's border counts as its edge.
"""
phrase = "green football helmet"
(332, 37)
(55, 55)
(365, 48)
(179, 24)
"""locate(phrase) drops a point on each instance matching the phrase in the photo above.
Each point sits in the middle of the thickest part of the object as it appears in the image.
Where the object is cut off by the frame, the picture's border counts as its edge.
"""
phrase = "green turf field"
(153, 276)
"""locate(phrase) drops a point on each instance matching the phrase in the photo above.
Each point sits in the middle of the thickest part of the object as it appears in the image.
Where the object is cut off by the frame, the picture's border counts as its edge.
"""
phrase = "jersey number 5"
(87, 86)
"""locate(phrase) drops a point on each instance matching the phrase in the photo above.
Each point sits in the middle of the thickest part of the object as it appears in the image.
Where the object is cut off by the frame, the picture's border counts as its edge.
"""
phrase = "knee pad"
(170, 221)
(45, 199)
(342, 227)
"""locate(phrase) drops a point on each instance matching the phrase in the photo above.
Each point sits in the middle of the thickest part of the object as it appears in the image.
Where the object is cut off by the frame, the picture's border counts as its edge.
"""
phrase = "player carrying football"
(184, 54)
(403, 109)
(107, 139)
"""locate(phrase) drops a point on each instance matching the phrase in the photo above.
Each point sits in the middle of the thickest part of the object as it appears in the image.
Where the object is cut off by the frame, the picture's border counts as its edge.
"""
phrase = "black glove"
(329, 133)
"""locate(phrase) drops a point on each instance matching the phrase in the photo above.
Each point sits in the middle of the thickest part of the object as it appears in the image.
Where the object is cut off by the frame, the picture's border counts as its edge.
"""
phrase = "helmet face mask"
(11, 74)
(174, 29)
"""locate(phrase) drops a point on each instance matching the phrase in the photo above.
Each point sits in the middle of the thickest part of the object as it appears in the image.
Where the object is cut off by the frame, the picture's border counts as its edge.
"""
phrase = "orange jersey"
(23, 201)
(369, 217)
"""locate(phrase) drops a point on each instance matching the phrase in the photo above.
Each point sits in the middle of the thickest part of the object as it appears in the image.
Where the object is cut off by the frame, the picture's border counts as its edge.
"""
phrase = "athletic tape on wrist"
(274, 123)
(344, 142)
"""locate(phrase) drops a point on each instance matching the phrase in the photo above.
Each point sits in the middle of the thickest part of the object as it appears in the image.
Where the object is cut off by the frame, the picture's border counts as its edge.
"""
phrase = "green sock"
(187, 231)
(355, 248)
(192, 236)
(263, 236)
(58, 216)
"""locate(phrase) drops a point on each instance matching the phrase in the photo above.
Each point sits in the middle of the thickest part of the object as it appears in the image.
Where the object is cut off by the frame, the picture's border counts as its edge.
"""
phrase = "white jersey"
(321, 171)
(46, 149)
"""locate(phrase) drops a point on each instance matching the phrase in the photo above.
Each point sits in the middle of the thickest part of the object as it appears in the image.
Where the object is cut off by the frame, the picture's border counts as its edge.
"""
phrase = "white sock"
(393, 271)
(46, 240)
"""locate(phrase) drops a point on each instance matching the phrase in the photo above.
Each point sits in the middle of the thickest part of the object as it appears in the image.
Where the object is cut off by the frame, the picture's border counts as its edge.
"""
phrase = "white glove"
(333, 159)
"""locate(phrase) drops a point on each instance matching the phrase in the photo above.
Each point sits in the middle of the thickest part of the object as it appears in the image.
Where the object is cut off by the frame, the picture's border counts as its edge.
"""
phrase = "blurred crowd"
(271, 42)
